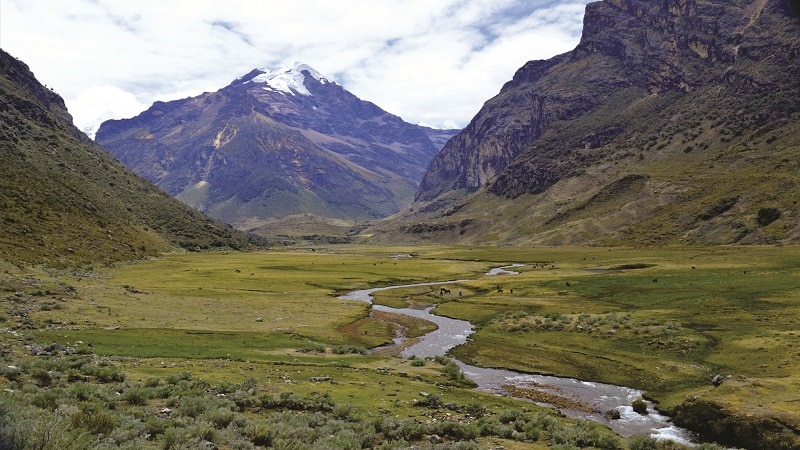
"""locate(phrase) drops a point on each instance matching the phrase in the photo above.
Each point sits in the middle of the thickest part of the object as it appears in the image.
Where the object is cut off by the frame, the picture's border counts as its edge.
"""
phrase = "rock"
(319, 379)
(717, 380)
(436, 439)
(207, 445)
(640, 406)
(612, 414)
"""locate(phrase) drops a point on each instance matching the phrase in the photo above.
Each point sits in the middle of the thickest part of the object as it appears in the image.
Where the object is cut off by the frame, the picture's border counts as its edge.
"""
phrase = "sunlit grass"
(663, 320)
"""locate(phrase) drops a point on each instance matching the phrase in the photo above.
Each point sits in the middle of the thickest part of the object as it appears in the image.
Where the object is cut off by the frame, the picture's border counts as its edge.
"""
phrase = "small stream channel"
(596, 397)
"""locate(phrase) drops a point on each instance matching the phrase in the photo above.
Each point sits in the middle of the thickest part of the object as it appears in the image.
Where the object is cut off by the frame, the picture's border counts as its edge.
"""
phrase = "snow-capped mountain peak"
(288, 79)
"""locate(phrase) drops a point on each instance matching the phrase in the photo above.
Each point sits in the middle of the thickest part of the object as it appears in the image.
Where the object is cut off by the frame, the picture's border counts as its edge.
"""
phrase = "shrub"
(640, 442)
(490, 426)
(174, 438)
(457, 431)
(94, 418)
(194, 406)
(137, 395)
(42, 376)
(510, 415)
(108, 374)
(12, 373)
(431, 401)
(220, 417)
(313, 348)
(345, 349)
(153, 426)
(178, 377)
(48, 399)
(204, 432)
(476, 410)
(260, 434)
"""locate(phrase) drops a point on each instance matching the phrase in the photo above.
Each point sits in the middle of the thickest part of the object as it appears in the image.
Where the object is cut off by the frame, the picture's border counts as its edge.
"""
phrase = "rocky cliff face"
(277, 142)
(668, 91)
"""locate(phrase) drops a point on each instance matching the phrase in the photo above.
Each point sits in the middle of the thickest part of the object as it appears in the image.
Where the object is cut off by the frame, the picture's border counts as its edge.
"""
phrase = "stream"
(594, 399)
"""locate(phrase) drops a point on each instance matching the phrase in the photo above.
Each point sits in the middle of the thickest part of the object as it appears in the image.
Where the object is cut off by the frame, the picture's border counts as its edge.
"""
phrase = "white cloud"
(98, 103)
(429, 62)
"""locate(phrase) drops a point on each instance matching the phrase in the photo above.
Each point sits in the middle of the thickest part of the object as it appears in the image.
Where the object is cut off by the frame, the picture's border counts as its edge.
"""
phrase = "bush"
(108, 374)
(457, 431)
(204, 432)
(220, 417)
(313, 348)
(431, 401)
(476, 410)
(510, 415)
(640, 442)
(94, 418)
(260, 434)
(345, 349)
(137, 395)
(194, 406)
(178, 377)
(174, 438)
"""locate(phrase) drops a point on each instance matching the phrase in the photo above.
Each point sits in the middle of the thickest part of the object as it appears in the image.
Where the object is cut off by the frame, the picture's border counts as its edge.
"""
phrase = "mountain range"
(672, 122)
(65, 201)
(277, 142)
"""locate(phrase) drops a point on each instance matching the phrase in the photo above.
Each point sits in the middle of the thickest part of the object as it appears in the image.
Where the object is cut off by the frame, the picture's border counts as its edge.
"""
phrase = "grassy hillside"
(66, 201)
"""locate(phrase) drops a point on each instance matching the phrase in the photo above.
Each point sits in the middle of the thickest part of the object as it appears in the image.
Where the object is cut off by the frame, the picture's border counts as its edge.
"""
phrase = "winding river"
(594, 398)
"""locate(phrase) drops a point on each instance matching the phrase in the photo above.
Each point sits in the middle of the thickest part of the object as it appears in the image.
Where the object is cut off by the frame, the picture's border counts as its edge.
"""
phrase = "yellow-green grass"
(688, 314)
(665, 320)
(370, 384)
(242, 303)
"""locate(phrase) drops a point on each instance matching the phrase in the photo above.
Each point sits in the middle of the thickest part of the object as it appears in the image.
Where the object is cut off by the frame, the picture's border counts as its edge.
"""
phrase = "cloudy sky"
(433, 62)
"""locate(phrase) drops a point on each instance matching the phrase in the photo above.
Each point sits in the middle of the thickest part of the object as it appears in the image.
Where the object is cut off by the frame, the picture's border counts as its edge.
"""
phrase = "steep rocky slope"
(274, 143)
(64, 200)
(675, 121)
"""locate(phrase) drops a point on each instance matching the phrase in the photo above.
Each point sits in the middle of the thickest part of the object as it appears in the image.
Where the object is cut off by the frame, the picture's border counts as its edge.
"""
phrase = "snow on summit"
(288, 79)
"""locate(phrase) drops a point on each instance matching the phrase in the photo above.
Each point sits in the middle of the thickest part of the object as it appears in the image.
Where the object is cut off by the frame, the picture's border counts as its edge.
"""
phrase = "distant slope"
(674, 122)
(64, 200)
(276, 143)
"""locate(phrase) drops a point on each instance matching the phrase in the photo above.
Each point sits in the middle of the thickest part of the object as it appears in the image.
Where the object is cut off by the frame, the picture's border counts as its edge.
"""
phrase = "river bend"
(595, 397)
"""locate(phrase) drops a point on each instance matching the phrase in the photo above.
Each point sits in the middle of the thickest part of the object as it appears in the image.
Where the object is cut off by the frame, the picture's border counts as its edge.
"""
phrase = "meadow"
(664, 320)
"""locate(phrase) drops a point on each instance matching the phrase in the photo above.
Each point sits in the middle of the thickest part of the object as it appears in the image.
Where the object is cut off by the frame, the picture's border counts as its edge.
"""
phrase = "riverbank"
(575, 398)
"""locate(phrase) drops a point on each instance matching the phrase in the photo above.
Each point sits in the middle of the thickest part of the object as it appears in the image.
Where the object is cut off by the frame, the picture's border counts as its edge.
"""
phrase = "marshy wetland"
(255, 336)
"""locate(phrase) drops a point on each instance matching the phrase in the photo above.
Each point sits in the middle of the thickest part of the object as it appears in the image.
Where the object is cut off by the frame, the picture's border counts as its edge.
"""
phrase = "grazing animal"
(655, 280)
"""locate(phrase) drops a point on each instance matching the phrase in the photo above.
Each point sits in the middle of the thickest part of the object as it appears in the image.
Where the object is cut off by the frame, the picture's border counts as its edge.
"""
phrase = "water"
(593, 399)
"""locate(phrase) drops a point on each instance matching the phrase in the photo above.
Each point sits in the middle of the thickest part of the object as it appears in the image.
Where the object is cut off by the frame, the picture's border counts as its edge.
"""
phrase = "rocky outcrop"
(750, 431)
(687, 81)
